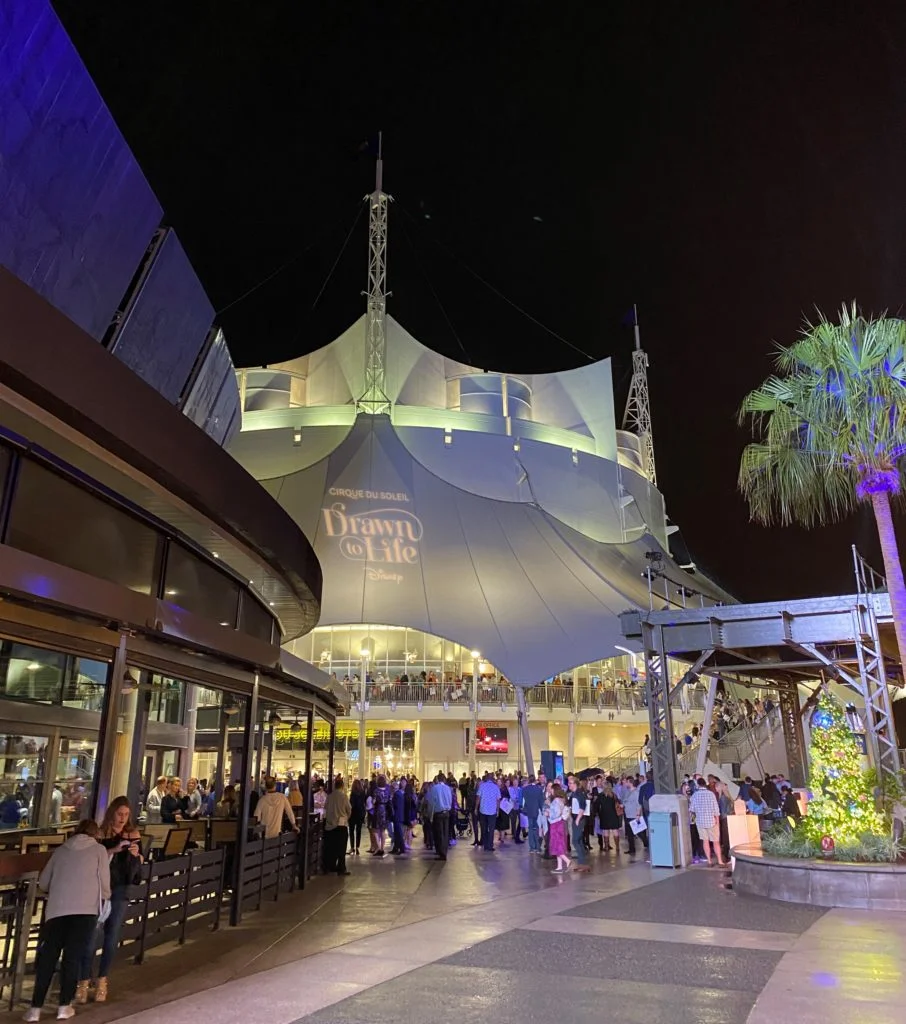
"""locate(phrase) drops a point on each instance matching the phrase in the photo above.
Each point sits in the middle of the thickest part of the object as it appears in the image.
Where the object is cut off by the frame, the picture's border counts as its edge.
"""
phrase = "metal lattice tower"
(374, 399)
(637, 417)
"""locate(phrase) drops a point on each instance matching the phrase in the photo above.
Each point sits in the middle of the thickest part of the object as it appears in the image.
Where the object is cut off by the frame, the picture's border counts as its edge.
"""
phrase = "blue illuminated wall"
(166, 326)
(77, 212)
(77, 217)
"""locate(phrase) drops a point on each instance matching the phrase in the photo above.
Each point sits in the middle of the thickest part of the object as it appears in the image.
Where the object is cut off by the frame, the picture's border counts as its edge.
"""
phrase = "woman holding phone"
(120, 837)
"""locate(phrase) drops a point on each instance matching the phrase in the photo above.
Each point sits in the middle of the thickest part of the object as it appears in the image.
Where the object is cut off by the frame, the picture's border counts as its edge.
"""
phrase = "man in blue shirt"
(440, 803)
(532, 802)
(487, 800)
(515, 791)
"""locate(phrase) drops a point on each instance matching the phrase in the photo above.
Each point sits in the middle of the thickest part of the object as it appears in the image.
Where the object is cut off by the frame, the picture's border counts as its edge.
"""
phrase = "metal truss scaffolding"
(791, 720)
(660, 714)
(781, 644)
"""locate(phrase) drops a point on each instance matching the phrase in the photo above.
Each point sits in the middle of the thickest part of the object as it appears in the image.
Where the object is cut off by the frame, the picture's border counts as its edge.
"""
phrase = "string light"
(841, 805)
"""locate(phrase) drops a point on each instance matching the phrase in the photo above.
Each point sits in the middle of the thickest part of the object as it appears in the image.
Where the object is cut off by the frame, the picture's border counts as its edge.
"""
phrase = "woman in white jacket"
(77, 881)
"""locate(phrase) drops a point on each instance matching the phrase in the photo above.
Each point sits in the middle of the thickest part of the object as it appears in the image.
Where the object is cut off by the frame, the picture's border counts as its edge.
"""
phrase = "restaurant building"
(147, 584)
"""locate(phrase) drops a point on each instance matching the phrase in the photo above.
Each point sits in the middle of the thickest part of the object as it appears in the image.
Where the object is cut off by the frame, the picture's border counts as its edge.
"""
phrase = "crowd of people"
(731, 712)
(562, 819)
(554, 816)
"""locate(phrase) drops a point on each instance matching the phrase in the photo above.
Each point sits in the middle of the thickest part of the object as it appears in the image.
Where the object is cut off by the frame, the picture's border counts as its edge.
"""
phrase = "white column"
(190, 712)
(473, 727)
(524, 725)
(364, 764)
(704, 740)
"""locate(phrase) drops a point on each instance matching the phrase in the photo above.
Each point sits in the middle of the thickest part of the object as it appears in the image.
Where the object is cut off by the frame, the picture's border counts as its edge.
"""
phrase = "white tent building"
(502, 512)
(498, 512)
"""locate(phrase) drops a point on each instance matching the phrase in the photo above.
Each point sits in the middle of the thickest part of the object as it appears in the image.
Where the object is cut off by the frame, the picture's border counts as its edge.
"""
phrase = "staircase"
(622, 761)
(758, 749)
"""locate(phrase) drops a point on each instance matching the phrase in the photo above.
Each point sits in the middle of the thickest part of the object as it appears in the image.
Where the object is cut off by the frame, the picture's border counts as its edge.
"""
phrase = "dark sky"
(726, 165)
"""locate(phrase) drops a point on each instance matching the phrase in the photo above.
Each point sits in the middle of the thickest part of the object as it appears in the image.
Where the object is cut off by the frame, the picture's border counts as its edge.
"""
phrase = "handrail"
(546, 695)
(868, 580)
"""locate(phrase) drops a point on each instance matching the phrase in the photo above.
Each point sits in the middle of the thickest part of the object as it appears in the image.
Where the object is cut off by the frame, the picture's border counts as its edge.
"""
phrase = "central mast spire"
(374, 400)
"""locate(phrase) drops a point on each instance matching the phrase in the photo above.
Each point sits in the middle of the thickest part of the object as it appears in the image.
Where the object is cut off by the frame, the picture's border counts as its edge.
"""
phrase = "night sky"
(728, 166)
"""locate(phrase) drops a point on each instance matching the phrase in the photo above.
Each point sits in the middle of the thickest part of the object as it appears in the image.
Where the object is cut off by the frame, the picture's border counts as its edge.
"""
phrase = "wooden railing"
(174, 894)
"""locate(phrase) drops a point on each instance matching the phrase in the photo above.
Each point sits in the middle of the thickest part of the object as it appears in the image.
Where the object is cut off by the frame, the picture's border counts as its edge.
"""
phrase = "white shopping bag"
(637, 826)
(506, 806)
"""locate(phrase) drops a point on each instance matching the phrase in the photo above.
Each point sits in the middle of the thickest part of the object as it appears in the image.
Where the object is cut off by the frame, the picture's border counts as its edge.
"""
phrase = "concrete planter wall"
(819, 883)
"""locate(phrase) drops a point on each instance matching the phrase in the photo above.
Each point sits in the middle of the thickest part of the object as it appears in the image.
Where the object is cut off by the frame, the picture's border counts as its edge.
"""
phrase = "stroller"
(463, 824)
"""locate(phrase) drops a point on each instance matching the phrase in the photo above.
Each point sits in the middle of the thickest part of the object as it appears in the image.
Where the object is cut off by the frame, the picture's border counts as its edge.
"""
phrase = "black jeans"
(440, 824)
(488, 824)
(514, 826)
(355, 834)
(476, 827)
(70, 935)
(335, 840)
(398, 842)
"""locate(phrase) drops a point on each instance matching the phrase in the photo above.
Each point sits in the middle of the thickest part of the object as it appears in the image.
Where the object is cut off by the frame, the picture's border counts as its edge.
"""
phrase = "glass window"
(23, 764)
(166, 700)
(85, 685)
(57, 520)
(32, 673)
(254, 619)
(200, 588)
(74, 781)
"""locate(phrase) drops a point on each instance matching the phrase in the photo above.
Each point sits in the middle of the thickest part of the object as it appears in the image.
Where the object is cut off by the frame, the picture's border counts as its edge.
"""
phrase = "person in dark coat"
(790, 806)
(397, 817)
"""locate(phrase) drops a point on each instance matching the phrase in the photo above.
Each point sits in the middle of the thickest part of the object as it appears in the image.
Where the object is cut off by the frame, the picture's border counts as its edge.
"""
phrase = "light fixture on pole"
(366, 651)
(474, 708)
(274, 719)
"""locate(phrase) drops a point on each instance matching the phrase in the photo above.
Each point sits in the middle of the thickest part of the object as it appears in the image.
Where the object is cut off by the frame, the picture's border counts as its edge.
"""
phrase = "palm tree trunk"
(893, 568)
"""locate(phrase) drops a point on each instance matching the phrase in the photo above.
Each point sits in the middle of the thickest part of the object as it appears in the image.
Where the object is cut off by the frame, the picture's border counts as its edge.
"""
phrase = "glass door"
(23, 766)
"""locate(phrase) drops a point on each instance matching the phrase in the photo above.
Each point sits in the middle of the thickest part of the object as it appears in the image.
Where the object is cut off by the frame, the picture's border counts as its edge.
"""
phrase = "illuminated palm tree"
(831, 432)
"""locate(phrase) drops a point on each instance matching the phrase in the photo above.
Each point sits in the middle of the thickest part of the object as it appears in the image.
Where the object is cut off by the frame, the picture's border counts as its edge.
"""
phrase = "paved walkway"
(497, 937)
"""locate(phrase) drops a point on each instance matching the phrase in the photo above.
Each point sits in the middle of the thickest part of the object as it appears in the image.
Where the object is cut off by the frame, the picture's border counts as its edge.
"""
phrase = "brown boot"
(100, 993)
(81, 993)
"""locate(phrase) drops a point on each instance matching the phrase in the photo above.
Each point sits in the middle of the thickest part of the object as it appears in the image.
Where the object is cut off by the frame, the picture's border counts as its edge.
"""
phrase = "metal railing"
(868, 580)
(619, 698)
(746, 739)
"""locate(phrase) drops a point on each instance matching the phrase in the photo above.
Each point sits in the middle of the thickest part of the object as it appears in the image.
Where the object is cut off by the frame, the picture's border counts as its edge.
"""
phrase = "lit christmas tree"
(842, 805)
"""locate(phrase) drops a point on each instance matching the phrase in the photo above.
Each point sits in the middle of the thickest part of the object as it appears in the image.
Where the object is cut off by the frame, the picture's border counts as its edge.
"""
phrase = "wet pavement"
(497, 937)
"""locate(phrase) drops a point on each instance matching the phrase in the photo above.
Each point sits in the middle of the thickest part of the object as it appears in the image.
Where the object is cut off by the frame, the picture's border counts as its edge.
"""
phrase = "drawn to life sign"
(369, 535)
(386, 539)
